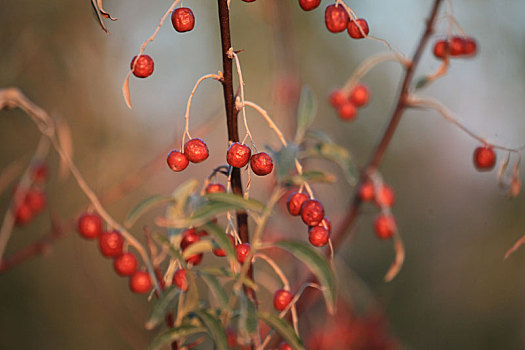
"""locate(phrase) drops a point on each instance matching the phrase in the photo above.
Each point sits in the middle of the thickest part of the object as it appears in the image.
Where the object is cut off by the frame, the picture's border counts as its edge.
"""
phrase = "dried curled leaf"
(398, 261)
(100, 13)
(125, 91)
(103, 12)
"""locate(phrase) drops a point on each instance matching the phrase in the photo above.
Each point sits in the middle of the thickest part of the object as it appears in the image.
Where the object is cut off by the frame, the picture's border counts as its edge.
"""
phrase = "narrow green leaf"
(201, 246)
(238, 201)
(219, 235)
(285, 160)
(162, 307)
(216, 288)
(336, 154)
(191, 296)
(283, 328)
(171, 335)
(306, 112)
(225, 272)
(217, 333)
(172, 251)
(310, 176)
(181, 195)
(145, 206)
(319, 266)
(319, 135)
(247, 318)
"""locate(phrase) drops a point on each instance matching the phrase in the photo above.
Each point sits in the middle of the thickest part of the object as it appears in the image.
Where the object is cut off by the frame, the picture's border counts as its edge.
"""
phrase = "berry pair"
(384, 225)
(238, 155)
(347, 104)
(455, 46)
(312, 214)
(337, 20)
(195, 151)
(33, 203)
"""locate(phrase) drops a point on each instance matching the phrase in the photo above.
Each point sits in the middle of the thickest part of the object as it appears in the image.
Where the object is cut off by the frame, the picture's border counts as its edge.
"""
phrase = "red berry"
(23, 214)
(196, 150)
(183, 19)
(441, 49)
(140, 282)
(40, 173)
(366, 191)
(189, 237)
(215, 188)
(484, 158)
(385, 226)
(220, 251)
(457, 46)
(89, 225)
(177, 161)
(144, 66)
(110, 244)
(126, 264)
(318, 236)
(261, 164)
(325, 223)
(336, 18)
(281, 299)
(347, 111)
(295, 201)
(471, 47)
(338, 98)
(36, 199)
(238, 155)
(285, 346)
(179, 279)
(248, 0)
(309, 5)
(242, 250)
(354, 31)
(312, 212)
(385, 197)
(360, 95)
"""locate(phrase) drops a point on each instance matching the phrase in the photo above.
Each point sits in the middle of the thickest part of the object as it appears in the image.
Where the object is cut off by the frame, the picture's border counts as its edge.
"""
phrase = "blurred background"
(455, 291)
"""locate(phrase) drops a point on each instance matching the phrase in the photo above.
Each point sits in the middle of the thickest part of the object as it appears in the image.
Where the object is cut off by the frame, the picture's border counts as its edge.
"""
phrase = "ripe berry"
(242, 250)
(140, 282)
(110, 244)
(325, 223)
(215, 188)
(385, 197)
(238, 155)
(336, 18)
(36, 200)
(385, 226)
(347, 111)
(126, 264)
(248, 0)
(189, 237)
(470, 48)
(196, 150)
(183, 19)
(312, 212)
(354, 31)
(177, 161)
(318, 236)
(261, 164)
(281, 299)
(89, 225)
(144, 66)
(338, 98)
(309, 5)
(285, 346)
(360, 95)
(179, 279)
(23, 214)
(220, 251)
(457, 46)
(366, 191)
(484, 158)
(441, 49)
(295, 201)
(40, 173)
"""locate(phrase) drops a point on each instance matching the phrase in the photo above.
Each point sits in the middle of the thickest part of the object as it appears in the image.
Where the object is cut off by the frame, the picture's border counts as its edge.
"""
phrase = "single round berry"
(312, 212)
(325, 223)
(441, 49)
(336, 18)
(238, 155)
(318, 236)
(182, 19)
(457, 46)
(89, 225)
(347, 111)
(196, 150)
(110, 244)
(179, 279)
(23, 214)
(359, 95)
(484, 158)
(221, 252)
(144, 66)
(338, 98)
(242, 250)
(385, 226)
(295, 201)
(355, 32)
(309, 5)
(177, 161)
(40, 173)
(285, 346)
(126, 264)
(281, 299)
(385, 196)
(36, 199)
(366, 191)
(140, 282)
(261, 164)
(215, 188)
(471, 47)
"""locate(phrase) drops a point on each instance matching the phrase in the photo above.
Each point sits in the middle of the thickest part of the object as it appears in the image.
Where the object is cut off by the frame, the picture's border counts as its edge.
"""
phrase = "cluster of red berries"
(348, 103)
(238, 155)
(337, 20)
(312, 213)
(111, 245)
(195, 151)
(484, 158)
(34, 200)
(455, 46)
(385, 224)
